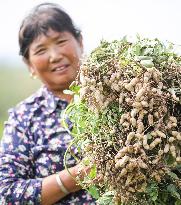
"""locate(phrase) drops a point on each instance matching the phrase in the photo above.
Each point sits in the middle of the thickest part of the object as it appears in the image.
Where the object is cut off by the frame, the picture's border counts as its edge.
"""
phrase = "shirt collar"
(51, 102)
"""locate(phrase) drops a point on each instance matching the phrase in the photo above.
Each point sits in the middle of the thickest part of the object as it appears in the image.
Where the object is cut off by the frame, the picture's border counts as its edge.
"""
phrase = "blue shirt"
(33, 147)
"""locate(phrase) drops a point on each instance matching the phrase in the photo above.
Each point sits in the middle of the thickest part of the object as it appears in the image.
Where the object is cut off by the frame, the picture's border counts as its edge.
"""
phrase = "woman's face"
(54, 58)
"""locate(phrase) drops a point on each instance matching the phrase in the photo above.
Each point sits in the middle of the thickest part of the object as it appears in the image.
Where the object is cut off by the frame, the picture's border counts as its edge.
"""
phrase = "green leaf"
(173, 190)
(147, 63)
(86, 161)
(106, 199)
(93, 190)
(149, 136)
(169, 159)
(178, 202)
(76, 98)
(178, 166)
(75, 88)
(144, 58)
(163, 196)
(173, 175)
(93, 172)
(152, 191)
(68, 92)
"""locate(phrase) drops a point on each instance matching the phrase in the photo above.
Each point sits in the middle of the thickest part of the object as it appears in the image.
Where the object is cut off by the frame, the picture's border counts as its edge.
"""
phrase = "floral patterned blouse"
(33, 147)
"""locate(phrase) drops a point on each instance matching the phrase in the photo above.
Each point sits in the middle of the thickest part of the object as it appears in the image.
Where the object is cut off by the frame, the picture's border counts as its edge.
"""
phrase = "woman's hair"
(42, 18)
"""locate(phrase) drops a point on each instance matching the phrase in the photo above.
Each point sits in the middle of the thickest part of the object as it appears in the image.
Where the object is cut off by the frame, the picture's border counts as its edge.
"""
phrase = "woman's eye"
(40, 51)
(61, 41)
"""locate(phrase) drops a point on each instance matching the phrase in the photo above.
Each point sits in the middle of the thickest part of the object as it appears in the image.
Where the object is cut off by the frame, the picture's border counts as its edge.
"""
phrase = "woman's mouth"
(60, 69)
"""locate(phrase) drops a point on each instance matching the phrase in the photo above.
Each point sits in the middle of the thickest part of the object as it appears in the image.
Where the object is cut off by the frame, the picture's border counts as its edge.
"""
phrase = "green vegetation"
(127, 123)
(1, 127)
(15, 85)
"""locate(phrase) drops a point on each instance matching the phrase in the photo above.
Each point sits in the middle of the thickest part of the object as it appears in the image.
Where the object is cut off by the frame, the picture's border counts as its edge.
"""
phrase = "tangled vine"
(127, 122)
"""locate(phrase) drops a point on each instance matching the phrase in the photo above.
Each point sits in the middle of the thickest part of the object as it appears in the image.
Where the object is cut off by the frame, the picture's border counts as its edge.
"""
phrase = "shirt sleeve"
(17, 182)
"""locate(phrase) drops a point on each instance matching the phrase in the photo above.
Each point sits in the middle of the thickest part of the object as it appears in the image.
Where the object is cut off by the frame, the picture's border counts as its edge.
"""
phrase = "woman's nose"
(55, 55)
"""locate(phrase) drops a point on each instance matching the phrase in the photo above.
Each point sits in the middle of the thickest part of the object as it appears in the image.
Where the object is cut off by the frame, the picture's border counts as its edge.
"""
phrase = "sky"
(98, 19)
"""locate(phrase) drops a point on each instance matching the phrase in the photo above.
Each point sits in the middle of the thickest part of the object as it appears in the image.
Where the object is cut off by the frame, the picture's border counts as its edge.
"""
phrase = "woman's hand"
(51, 191)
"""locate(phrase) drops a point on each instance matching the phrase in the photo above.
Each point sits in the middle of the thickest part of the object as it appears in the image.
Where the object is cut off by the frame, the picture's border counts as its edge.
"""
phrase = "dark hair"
(43, 17)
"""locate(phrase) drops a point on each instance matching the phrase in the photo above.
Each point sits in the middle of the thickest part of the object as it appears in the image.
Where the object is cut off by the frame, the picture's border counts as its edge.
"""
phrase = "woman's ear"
(30, 68)
(26, 61)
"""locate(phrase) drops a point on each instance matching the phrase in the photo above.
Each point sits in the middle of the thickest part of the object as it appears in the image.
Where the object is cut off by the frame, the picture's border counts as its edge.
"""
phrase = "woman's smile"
(60, 69)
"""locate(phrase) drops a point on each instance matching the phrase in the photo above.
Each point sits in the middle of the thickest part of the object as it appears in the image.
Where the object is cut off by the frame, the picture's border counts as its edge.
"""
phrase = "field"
(15, 85)
(1, 127)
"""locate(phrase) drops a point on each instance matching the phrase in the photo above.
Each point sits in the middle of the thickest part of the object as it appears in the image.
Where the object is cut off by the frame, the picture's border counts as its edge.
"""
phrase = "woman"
(34, 142)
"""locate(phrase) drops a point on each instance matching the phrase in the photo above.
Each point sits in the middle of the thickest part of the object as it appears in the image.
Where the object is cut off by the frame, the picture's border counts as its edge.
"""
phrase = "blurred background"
(98, 19)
